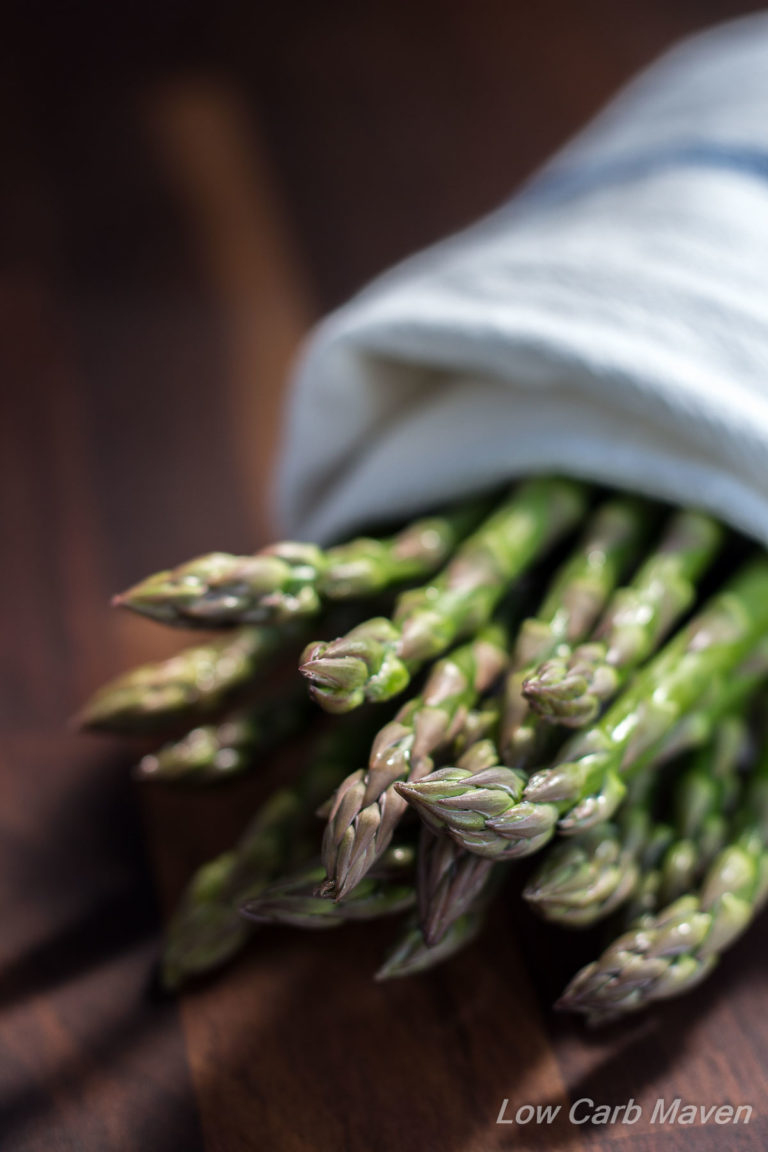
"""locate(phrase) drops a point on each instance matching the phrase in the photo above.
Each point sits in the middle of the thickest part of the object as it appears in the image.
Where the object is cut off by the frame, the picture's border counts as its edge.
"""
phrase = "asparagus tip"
(250, 910)
(146, 768)
(328, 889)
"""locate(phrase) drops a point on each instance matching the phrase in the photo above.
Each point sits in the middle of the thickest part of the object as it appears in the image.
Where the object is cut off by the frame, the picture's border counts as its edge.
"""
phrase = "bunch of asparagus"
(605, 726)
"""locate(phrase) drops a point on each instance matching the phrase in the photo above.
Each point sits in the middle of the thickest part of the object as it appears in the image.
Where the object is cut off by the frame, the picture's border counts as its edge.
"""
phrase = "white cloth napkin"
(609, 322)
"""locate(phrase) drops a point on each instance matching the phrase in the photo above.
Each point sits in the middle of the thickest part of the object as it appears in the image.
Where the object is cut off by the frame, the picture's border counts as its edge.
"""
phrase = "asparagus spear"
(569, 687)
(450, 877)
(645, 897)
(581, 585)
(704, 797)
(199, 681)
(670, 952)
(214, 752)
(292, 579)
(450, 880)
(384, 892)
(480, 724)
(412, 954)
(467, 800)
(377, 659)
(584, 878)
(723, 699)
(702, 660)
(203, 933)
(717, 725)
(573, 601)
(498, 814)
(207, 930)
(366, 809)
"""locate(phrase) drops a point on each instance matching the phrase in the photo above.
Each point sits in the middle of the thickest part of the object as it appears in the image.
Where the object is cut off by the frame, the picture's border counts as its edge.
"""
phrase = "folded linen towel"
(609, 322)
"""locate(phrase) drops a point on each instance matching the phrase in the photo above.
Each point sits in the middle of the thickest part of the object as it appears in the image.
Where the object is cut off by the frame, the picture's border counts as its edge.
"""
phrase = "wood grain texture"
(180, 198)
(86, 1060)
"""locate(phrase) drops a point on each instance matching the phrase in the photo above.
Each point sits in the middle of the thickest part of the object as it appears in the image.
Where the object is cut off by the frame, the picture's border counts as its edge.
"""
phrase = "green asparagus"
(701, 659)
(584, 878)
(450, 877)
(293, 579)
(292, 900)
(499, 814)
(450, 880)
(470, 801)
(570, 687)
(412, 954)
(573, 601)
(207, 930)
(221, 751)
(664, 819)
(704, 798)
(377, 659)
(197, 682)
(366, 809)
(668, 953)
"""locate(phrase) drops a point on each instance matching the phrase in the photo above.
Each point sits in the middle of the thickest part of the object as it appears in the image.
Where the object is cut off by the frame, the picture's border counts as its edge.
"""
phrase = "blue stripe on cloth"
(562, 185)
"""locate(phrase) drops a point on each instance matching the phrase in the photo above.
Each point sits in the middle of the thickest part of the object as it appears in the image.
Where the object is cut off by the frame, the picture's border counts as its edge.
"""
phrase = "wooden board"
(180, 201)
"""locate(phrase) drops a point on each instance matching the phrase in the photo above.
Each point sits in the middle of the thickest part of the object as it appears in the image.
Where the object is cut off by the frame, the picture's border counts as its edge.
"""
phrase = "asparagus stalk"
(412, 954)
(586, 783)
(668, 953)
(384, 892)
(203, 933)
(450, 877)
(570, 687)
(197, 682)
(581, 586)
(207, 929)
(377, 659)
(450, 880)
(699, 728)
(645, 897)
(584, 878)
(366, 809)
(293, 579)
(573, 601)
(702, 660)
(214, 752)
(498, 814)
(480, 724)
(703, 803)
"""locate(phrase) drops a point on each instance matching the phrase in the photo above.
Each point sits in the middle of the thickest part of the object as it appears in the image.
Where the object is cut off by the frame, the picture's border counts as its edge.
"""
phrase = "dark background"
(185, 188)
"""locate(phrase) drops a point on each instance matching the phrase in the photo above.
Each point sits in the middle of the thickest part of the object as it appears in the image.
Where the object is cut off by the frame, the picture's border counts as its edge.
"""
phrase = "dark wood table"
(182, 195)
